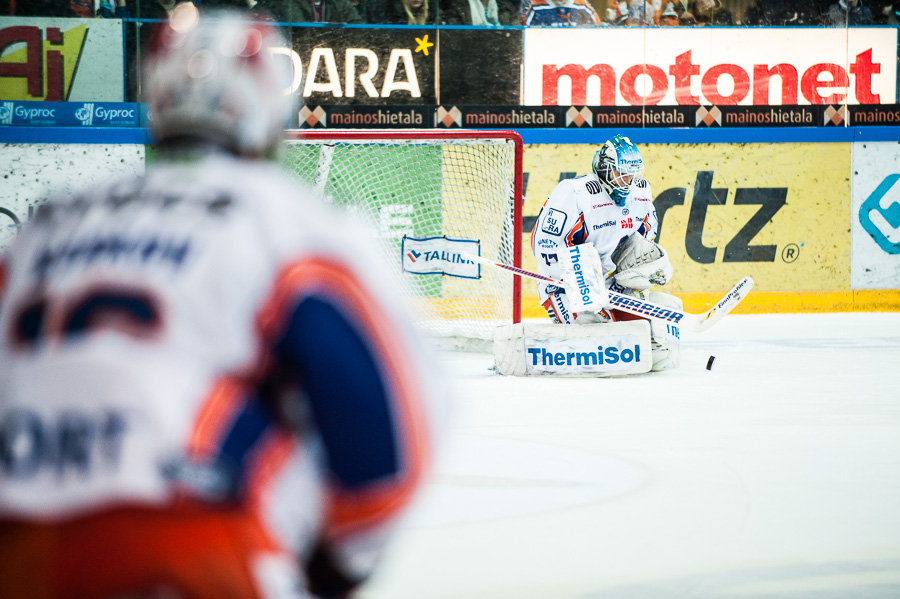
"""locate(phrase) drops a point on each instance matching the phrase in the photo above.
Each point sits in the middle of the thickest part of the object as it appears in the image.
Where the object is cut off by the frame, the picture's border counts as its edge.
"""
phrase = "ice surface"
(775, 474)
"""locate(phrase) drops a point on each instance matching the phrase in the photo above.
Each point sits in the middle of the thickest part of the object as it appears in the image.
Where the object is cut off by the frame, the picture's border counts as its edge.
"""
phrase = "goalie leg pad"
(614, 348)
(665, 337)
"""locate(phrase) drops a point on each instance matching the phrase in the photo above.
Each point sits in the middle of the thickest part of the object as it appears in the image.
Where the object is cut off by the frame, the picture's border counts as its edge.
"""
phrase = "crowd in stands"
(531, 13)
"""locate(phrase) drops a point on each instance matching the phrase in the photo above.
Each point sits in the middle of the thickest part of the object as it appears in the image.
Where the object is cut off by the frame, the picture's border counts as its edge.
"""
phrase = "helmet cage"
(619, 167)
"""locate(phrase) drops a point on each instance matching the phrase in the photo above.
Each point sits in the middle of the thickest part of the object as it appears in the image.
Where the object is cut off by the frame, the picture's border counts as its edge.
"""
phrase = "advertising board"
(730, 210)
(709, 66)
(61, 60)
(387, 66)
(875, 216)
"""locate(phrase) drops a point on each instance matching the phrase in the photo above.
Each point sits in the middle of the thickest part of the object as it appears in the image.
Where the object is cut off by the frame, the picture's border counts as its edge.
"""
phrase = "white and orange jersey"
(207, 336)
(580, 211)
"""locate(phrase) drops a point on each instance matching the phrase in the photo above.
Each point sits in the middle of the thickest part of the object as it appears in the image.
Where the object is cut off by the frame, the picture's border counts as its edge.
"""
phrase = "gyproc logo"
(6, 113)
(85, 114)
(879, 215)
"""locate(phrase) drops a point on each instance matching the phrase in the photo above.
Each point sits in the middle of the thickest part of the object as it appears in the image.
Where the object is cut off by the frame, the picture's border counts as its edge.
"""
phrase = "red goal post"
(454, 188)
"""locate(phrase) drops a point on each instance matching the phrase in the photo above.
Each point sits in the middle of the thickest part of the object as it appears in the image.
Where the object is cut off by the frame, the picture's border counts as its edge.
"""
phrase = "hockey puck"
(709, 362)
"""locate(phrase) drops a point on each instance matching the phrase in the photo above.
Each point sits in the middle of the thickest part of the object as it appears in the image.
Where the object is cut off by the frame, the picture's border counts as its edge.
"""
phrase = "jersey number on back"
(130, 311)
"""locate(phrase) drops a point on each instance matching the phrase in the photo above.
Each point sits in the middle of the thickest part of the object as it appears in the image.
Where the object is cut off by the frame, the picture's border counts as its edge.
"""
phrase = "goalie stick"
(694, 322)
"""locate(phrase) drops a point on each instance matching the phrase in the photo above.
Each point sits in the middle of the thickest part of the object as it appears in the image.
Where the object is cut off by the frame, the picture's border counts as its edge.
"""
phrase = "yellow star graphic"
(424, 44)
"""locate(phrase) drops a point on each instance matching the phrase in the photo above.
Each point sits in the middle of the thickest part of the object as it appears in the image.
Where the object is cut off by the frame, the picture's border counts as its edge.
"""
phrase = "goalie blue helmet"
(619, 166)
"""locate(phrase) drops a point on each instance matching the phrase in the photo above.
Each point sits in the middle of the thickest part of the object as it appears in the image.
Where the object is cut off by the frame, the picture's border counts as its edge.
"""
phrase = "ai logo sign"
(879, 215)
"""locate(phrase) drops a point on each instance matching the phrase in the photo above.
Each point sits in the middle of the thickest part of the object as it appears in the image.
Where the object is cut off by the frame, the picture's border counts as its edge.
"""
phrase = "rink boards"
(817, 225)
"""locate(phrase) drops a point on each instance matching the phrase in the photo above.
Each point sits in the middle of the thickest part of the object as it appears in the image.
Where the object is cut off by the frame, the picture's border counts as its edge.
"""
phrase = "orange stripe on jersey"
(352, 510)
(579, 228)
(190, 552)
(215, 418)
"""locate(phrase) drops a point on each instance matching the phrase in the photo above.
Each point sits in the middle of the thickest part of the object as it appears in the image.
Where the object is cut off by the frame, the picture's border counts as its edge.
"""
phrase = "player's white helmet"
(214, 78)
(619, 166)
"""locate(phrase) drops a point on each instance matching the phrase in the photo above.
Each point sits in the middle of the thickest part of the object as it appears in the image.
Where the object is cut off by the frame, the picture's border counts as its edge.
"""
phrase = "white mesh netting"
(424, 187)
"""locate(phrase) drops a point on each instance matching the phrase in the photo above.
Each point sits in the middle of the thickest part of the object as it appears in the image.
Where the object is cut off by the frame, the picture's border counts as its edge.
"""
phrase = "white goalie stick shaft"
(647, 309)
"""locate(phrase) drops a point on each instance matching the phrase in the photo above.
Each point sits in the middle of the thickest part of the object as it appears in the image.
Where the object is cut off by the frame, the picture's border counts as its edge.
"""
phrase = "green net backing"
(420, 188)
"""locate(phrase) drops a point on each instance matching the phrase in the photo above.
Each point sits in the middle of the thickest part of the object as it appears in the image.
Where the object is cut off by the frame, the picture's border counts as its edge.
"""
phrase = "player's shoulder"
(585, 185)
(641, 192)
(642, 189)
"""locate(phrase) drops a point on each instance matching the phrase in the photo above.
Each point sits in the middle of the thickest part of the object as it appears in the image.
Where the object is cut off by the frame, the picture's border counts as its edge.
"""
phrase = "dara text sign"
(715, 66)
(363, 66)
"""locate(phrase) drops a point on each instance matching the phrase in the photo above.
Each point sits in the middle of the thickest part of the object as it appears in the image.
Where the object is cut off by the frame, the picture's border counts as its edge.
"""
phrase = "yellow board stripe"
(774, 302)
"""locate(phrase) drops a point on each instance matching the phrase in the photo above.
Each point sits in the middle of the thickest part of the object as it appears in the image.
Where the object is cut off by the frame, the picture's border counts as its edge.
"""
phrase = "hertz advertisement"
(729, 210)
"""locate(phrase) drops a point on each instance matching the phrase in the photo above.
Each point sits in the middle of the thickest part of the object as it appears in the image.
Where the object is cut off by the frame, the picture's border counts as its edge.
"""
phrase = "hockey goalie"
(595, 232)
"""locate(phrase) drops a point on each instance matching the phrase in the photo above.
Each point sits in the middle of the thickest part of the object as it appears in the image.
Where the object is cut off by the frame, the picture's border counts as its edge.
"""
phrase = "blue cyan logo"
(879, 215)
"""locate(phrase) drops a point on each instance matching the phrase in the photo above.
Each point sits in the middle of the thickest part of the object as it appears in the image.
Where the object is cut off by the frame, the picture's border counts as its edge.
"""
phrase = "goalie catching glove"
(641, 263)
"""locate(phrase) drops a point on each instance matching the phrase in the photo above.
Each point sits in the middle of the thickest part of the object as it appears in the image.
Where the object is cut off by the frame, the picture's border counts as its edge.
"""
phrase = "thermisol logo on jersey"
(609, 223)
(554, 222)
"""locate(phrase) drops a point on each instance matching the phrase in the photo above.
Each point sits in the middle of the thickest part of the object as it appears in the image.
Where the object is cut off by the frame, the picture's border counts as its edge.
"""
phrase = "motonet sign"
(615, 67)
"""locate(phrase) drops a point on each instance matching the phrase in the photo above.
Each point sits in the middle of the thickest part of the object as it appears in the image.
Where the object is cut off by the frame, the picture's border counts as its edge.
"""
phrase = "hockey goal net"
(430, 195)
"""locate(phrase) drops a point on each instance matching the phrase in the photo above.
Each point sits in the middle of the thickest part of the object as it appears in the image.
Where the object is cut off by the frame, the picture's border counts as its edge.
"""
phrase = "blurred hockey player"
(612, 211)
(207, 389)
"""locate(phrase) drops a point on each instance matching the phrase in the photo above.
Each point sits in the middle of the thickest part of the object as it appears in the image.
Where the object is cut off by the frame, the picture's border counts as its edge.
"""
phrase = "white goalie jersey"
(580, 211)
(209, 333)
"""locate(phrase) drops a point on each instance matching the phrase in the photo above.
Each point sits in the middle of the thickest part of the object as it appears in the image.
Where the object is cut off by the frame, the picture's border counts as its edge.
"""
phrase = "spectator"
(846, 13)
(782, 13)
(669, 17)
(412, 12)
(711, 12)
(113, 9)
(478, 12)
(617, 12)
(561, 13)
(640, 14)
(371, 11)
(883, 11)
(687, 19)
(312, 11)
(83, 9)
